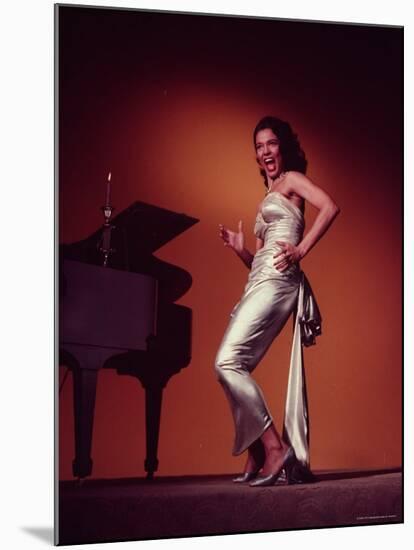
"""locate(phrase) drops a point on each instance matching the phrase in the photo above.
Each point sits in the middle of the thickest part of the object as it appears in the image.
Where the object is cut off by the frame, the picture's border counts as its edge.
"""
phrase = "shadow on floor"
(43, 533)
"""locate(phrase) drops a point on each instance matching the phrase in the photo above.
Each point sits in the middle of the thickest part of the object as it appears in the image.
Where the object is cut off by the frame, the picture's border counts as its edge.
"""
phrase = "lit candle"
(108, 190)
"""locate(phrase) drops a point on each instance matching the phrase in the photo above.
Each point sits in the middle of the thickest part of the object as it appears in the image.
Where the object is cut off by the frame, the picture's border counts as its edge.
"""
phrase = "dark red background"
(167, 103)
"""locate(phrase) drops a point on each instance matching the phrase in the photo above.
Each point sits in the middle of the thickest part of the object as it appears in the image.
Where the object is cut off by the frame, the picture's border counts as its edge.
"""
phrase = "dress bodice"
(278, 214)
(278, 219)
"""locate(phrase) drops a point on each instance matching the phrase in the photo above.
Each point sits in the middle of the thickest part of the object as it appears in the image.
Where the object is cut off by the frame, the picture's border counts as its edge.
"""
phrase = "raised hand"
(234, 240)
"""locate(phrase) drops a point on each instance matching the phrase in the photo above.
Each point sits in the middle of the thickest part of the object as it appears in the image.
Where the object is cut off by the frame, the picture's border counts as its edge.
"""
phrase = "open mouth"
(270, 164)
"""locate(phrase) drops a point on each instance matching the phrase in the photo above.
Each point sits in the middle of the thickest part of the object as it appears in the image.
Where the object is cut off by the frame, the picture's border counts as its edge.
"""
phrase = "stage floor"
(171, 507)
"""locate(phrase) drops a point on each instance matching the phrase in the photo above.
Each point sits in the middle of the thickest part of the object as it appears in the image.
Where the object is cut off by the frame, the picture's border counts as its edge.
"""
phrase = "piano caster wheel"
(150, 475)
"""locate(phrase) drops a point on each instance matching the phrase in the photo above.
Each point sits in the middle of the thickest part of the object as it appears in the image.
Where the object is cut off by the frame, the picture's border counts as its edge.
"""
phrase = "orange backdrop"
(167, 103)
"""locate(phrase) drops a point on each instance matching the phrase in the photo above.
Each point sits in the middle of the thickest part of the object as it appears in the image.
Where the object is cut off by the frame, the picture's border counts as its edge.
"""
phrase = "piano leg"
(153, 401)
(84, 393)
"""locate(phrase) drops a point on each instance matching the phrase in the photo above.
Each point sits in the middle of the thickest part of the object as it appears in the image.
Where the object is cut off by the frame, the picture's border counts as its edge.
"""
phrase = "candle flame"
(109, 176)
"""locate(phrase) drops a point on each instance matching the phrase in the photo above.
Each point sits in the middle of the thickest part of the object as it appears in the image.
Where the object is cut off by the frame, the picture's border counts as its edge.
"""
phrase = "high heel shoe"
(247, 476)
(271, 479)
(257, 463)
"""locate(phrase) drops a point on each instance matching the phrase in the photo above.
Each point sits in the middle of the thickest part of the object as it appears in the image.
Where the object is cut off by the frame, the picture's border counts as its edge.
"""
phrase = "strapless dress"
(269, 298)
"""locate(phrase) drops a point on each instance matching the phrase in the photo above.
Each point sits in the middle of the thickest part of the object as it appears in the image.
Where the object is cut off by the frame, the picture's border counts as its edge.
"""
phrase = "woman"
(276, 287)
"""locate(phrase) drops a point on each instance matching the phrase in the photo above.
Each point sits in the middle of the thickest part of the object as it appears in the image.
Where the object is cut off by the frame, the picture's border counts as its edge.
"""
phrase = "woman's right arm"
(246, 257)
(235, 240)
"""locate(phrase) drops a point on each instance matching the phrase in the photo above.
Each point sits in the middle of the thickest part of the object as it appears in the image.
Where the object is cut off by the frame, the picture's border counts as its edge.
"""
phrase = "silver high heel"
(247, 476)
(271, 479)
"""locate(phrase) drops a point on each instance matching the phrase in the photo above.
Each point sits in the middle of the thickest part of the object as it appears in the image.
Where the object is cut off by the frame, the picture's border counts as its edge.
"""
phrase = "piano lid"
(150, 226)
(139, 230)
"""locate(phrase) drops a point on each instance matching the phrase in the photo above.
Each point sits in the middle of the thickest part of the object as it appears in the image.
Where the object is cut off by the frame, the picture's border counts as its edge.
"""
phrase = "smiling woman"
(268, 151)
(277, 133)
(276, 287)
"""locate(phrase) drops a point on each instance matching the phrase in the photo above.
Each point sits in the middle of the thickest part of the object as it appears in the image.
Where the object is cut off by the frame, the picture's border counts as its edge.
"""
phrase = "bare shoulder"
(295, 181)
(297, 184)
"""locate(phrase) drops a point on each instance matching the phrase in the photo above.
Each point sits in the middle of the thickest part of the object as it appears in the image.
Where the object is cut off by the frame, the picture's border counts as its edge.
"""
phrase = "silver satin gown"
(268, 300)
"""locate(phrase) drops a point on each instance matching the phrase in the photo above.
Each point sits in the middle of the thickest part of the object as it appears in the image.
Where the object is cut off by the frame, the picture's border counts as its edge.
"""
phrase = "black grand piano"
(123, 317)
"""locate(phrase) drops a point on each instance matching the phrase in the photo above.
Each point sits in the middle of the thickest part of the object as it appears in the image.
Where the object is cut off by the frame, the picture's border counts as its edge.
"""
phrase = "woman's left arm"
(301, 185)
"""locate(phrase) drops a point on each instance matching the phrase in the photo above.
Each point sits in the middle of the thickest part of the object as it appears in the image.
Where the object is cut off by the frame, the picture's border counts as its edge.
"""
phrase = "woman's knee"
(218, 367)
(226, 366)
(223, 359)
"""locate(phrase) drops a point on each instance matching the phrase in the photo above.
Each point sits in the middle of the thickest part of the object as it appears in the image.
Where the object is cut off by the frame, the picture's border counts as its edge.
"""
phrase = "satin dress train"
(268, 300)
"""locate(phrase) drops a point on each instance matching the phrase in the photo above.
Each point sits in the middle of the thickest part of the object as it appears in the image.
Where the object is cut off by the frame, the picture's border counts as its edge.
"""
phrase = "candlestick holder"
(105, 243)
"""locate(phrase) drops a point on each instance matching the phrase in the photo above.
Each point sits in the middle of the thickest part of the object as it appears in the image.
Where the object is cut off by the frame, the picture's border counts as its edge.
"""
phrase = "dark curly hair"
(290, 149)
